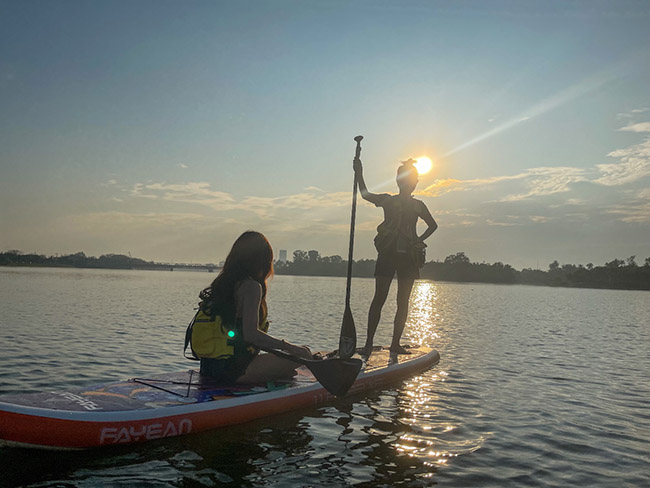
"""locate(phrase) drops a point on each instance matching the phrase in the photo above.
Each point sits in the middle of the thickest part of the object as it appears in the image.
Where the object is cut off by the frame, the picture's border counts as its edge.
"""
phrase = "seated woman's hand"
(300, 351)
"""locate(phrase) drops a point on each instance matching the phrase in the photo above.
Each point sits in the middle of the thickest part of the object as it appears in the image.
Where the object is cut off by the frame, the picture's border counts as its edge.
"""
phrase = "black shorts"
(400, 262)
(226, 371)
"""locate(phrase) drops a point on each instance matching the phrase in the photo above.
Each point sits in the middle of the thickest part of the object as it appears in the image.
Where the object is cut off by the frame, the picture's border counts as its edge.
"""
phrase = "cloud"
(495, 223)
(195, 193)
(644, 194)
(200, 193)
(268, 206)
(317, 211)
(640, 127)
(539, 181)
(631, 113)
(440, 187)
(636, 209)
(548, 181)
(183, 165)
(634, 165)
(121, 219)
(638, 212)
(112, 223)
(539, 219)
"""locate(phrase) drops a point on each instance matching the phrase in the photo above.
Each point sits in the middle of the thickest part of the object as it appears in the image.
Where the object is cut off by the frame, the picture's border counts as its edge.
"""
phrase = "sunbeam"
(571, 93)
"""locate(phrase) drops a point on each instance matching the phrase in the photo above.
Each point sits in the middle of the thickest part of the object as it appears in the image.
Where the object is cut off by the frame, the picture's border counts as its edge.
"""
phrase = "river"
(536, 386)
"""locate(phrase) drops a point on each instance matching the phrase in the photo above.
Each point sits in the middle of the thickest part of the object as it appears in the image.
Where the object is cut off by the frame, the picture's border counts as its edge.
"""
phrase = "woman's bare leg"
(404, 287)
(382, 286)
(267, 367)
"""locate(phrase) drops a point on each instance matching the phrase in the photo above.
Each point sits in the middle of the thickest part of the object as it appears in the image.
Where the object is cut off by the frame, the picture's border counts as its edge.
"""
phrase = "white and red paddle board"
(143, 409)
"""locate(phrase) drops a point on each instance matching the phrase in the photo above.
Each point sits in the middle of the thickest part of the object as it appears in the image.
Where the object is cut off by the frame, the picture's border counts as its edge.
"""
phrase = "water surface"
(535, 387)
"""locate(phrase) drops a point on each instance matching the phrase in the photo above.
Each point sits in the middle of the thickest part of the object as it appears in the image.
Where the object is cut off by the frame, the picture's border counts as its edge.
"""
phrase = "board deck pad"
(187, 393)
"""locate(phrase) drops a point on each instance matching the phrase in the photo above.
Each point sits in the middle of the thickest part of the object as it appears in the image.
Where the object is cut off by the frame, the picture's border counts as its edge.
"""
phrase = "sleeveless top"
(399, 229)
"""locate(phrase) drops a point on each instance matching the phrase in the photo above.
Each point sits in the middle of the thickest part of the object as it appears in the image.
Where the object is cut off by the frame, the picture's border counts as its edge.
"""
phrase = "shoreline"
(426, 276)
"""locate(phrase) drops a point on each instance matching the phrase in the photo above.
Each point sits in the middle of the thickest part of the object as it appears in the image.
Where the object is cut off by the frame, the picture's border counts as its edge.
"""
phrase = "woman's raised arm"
(365, 194)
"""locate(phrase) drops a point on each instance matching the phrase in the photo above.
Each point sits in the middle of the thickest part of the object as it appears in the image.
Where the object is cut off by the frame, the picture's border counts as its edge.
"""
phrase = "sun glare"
(423, 164)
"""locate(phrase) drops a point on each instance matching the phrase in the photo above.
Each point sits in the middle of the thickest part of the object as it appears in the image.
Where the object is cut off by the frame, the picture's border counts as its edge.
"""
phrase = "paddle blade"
(335, 375)
(348, 338)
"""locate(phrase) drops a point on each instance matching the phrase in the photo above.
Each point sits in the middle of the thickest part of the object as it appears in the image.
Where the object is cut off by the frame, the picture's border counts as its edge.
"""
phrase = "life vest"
(211, 337)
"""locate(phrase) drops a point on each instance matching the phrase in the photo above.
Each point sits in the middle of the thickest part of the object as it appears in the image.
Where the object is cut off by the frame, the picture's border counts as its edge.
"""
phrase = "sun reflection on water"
(424, 315)
(434, 437)
(418, 411)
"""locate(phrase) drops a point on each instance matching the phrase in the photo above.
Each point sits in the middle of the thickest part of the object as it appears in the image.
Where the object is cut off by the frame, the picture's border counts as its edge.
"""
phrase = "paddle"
(336, 375)
(348, 338)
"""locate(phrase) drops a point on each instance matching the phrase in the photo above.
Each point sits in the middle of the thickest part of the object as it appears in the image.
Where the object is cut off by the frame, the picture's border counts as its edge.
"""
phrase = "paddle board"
(173, 404)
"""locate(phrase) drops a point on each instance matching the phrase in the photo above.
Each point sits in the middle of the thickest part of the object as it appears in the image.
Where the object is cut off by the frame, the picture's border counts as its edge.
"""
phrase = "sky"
(164, 129)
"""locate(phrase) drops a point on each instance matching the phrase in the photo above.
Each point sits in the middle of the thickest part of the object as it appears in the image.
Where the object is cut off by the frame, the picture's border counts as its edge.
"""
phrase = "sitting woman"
(230, 327)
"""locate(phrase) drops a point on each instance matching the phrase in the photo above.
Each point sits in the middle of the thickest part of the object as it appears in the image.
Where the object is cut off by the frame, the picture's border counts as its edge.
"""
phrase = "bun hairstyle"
(407, 170)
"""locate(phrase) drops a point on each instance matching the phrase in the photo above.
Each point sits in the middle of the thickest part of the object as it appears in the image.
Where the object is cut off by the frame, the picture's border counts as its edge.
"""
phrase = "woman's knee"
(404, 289)
(266, 367)
(382, 287)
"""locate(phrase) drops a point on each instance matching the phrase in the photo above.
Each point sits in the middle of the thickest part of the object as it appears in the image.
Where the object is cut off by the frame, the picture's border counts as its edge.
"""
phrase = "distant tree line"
(624, 274)
(77, 260)
(617, 274)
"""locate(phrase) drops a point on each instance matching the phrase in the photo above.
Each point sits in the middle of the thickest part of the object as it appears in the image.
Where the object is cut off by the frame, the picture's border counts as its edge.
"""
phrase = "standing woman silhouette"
(398, 246)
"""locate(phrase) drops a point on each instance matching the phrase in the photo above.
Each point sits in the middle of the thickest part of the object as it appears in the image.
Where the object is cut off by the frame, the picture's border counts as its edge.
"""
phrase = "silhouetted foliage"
(316, 266)
(619, 273)
(458, 267)
(624, 274)
(77, 260)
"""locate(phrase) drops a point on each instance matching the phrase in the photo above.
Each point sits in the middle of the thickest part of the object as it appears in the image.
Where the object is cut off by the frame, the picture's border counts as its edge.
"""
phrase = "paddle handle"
(348, 287)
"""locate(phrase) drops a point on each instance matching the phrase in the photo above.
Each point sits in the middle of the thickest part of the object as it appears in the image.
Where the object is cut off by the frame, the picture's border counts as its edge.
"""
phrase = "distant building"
(314, 255)
(283, 255)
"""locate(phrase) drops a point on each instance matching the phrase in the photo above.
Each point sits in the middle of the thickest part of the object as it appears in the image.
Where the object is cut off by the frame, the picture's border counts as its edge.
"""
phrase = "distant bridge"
(210, 268)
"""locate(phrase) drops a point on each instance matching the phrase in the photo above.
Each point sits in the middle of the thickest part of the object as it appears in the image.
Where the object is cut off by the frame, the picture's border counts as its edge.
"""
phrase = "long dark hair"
(251, 256)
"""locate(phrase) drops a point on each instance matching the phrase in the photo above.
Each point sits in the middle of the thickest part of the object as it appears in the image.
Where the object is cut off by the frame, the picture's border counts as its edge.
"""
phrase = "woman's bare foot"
(399, 350)
(366, 351)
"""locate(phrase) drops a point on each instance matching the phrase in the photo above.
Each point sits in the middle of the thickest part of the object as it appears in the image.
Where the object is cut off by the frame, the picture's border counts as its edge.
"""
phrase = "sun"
(423, 164)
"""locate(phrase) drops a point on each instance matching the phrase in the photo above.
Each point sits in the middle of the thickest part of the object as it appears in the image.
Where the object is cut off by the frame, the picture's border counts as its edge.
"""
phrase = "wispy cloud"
(640, 127)
(201, 193)
(126, 220)
(268, 206)
(316, 210)
(440, 187)
(632, 113)
(497, 223)
(548, 181)
(194, 193)
(638, 212)
(633, 165)
(539, 181)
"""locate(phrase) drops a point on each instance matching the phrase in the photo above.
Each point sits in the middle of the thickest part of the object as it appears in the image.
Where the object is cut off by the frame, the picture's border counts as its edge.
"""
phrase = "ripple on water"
(535, 387)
